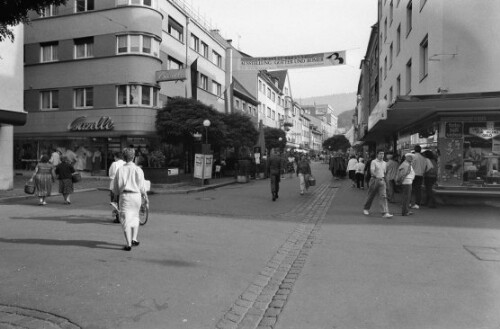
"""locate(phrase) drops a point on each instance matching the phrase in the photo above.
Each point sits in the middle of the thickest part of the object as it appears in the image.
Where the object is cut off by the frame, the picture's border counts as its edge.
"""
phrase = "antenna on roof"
(239, 38)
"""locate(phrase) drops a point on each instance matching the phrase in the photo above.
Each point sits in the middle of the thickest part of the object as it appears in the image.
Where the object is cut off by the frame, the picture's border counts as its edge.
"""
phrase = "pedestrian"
(43, 177)
(419, 165)
(430, 178)
(274, 168)
(303, 172)
(405, 177)
(129, 185)
(118, 163)
(96, 161)
(377, 185)
(64, 172)
(360, 176)
(351, 169)
(55, 158)
(368, 175)
(290, 165)
(392, 171)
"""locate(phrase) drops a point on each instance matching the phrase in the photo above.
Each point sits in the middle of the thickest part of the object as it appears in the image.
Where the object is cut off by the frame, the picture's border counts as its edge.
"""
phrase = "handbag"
(29, 187)
(76, 177)
(311, 180)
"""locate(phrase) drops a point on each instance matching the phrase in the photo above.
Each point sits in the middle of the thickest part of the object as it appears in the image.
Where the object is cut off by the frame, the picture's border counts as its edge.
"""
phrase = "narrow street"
(232, 258)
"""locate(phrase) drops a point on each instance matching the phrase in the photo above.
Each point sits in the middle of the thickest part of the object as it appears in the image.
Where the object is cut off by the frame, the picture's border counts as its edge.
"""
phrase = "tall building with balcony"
(96, 72)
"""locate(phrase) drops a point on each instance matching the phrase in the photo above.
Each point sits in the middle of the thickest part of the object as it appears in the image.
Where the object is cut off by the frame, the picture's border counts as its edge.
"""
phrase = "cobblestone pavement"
(260, 305)
(12, 317)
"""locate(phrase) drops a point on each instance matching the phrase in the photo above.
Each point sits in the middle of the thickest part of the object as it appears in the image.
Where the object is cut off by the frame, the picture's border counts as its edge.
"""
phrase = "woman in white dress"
(129, 184)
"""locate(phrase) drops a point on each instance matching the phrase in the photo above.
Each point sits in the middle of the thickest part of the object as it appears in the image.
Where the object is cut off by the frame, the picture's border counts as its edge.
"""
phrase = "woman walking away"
(303, 172)
(129, 185)
(43, 176)
(351, 169)
(64, 172)
(360, 174)
(405, 177)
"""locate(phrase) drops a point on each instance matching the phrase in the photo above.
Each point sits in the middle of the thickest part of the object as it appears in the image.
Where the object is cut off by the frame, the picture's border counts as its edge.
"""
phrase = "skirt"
(66, 186)
(43, 184)
(130, 205)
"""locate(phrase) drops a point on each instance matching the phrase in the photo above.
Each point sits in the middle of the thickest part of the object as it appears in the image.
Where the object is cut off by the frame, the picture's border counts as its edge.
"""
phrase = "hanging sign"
(79, 124)
(285, 62)
(485, 133)
(171, 75)
(454, 129)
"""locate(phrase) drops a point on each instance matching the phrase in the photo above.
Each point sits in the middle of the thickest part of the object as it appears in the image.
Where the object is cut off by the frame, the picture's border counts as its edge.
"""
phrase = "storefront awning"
(13, 118)
(388, 119)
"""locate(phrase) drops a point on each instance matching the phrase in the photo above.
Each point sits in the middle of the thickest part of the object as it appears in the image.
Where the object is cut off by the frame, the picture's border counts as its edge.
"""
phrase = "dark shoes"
(409, 213)
(127, 248)
(275, 196)
(135, 243)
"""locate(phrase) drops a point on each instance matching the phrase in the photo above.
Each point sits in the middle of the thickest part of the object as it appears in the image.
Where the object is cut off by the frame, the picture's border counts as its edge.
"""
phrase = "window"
(390, 94)
(204, 49)
(49, 100)
(195, 43)
(84, 97)
(136, 43)
(48, 52)
(273, 115)
(173, 64)
(385, 67)
(84, 47)
(398, 85)
(409, 12)
(273, 97)
(217, 88)
(260, 86)
(84, 5)
(51, 10)
(268, 112)
(217, 59)
(203, 82)
(385, 29)
(237, 104)
(175, 29)
(390, 56)
(408, 77)
(391, 12)
(147, 3)
(268, 92)
(424, 58)
(398, 40)
(136, 95)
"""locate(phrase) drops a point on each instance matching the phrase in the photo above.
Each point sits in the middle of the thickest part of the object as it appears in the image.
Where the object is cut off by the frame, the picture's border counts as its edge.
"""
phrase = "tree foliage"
(13, 12)
(272, 138)
(336, 142)
(241, 132)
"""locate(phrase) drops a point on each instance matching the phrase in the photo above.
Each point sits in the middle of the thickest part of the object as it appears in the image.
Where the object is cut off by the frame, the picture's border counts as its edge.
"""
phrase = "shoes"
(415, 206)
(409, 213)
(127, 248)
(366, 212)
(44, 203)
(301, 193)
(67, 202)
(135, 243)
(274, 197)
(116, 221)
(387, 215)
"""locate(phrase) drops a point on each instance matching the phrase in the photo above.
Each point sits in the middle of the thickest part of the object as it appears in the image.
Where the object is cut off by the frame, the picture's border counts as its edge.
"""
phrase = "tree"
(240, 131)
(13, 12)
(336, 142)
(272, 137)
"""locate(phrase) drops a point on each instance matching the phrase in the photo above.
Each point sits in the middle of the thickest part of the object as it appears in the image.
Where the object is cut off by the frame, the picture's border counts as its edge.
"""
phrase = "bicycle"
(143, 213)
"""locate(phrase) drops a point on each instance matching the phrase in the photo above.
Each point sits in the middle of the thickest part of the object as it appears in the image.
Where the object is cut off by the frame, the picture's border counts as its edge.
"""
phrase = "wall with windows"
(435, 50)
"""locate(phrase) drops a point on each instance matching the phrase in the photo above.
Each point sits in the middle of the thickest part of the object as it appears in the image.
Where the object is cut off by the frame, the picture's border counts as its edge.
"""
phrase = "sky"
(294, 27)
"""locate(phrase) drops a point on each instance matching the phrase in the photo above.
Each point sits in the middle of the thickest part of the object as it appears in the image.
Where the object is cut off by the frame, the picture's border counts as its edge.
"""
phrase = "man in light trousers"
(377, 185)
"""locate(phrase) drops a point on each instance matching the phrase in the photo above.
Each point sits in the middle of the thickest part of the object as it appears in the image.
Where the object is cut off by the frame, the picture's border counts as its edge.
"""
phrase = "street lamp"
(206, 124)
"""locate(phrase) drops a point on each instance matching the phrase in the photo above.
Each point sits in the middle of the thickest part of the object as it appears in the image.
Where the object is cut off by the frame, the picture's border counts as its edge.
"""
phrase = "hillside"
(345, 119)
(339, 102)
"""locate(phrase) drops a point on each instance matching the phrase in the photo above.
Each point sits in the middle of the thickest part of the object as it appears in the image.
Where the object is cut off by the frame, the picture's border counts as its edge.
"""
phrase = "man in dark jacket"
(274, 169)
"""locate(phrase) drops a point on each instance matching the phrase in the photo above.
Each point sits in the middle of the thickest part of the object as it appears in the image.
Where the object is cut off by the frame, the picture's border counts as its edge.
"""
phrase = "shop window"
(175, 29)
(49, 100)
(84, 5)
(49, 52)
(84, 97)
(84, 47)
(136, 43)
(136, 95)
(481, 153)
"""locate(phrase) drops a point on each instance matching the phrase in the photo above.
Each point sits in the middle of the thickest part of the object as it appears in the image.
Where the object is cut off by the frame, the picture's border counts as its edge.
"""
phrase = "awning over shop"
(13, 118)
(406, 111)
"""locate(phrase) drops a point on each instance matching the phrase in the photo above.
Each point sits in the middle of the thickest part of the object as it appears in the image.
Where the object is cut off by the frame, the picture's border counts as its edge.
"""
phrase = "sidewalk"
(89, 183)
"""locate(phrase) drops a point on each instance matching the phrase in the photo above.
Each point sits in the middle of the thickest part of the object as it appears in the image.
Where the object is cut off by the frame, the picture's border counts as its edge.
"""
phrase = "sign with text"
(485, 133)
(285, 62)
(203, 166)
(171, 75)
(454, 130)
(81, 124)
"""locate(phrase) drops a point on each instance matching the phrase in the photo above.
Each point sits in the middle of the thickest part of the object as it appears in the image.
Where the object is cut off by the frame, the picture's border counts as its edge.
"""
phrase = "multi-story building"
(97, 71)
(329, 121)
(245, 102)
(11, 104)
(438, 80)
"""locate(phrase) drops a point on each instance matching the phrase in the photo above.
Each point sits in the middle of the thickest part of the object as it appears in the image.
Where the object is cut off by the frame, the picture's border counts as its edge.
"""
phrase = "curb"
(22, 197)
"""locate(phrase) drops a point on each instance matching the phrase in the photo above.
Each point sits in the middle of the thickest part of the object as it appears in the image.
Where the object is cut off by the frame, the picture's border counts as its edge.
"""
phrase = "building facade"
(96, 72)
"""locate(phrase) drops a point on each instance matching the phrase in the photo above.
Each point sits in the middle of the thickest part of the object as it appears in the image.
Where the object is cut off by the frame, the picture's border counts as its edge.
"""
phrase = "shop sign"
(171, 75)
(454, 130)
(484, 132)
(79, 124)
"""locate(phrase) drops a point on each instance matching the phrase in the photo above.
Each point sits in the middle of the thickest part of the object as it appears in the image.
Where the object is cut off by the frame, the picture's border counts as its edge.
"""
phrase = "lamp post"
(205, 150)
(206, 124)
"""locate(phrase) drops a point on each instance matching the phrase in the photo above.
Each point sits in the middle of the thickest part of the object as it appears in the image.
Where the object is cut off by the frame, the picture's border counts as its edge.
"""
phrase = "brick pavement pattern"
(260, 305)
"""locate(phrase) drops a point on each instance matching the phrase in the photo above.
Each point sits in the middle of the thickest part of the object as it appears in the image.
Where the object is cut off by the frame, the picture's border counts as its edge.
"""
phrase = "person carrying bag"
(304, 174)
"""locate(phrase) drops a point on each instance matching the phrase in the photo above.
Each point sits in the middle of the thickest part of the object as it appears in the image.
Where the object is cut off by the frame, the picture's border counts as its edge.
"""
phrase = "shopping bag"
(29, 187)
(311, 180)
(76, 177)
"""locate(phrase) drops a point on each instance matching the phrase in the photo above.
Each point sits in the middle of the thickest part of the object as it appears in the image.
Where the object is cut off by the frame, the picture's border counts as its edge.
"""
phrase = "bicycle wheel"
(143, 215)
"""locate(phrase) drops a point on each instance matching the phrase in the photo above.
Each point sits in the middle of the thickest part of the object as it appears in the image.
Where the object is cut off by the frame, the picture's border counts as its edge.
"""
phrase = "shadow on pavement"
(78, 243)
(169, 262)
(70, 219)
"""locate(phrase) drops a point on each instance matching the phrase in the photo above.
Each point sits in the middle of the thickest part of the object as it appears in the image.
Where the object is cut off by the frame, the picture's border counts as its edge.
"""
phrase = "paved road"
(232, 258)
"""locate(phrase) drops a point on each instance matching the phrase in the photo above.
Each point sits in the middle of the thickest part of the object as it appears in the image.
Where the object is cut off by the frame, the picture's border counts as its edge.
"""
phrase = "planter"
(161, 175)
